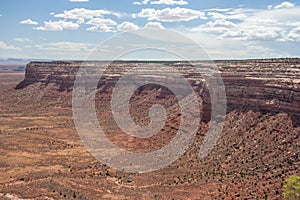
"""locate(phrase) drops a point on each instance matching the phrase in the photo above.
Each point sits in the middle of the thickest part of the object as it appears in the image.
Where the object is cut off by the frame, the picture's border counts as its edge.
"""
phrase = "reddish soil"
(42, 157)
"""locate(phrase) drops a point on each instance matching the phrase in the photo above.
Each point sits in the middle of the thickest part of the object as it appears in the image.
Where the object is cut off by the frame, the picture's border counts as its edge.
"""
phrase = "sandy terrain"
(42, 157)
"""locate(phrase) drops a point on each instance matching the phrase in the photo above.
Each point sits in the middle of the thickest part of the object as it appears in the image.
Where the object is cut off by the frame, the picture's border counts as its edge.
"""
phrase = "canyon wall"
(271, 85)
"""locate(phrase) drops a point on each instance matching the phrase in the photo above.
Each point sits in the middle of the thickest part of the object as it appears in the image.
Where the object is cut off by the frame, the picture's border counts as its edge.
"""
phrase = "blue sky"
(226, 29)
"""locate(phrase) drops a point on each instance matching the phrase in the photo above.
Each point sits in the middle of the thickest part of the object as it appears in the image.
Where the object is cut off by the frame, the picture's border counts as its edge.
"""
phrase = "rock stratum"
(270, 85)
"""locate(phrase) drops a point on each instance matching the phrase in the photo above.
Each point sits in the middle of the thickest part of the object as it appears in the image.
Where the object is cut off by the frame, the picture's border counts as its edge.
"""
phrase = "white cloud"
(285, 4)
(234, 49)
(94, 17)
(99, 21)
(79, 0)
(58, 26)
(255, 29)
(5, 46)
(101, 28)
(161, 2)
(28, 21)
(101, 25)
(219, 9)
(233, 34)
(80, 21)
(218, 26)
(217, 15)
(169, 2)
(82, 13)
(127, 26)
(154, 25)
(253, 25)
(22, 40)
(293, 35)
(272, 24)
(170, 14)
(254, 32)
(222, 24)
(144, 2)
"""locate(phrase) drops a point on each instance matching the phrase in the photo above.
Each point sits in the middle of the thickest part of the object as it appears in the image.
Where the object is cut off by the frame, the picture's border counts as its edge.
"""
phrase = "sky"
(225, 29)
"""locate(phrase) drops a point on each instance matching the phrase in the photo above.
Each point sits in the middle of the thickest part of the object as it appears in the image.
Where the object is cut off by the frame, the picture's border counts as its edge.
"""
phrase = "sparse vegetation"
(41, 153)
(291, 190)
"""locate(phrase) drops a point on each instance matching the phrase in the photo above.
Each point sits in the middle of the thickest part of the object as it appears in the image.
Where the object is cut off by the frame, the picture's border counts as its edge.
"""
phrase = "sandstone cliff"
(270, 85)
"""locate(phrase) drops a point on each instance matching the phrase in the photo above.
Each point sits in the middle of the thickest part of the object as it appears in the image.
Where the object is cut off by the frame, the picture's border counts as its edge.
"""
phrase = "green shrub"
(291, 190)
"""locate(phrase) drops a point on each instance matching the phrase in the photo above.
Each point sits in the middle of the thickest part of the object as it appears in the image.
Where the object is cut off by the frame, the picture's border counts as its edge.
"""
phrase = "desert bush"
(291, 190)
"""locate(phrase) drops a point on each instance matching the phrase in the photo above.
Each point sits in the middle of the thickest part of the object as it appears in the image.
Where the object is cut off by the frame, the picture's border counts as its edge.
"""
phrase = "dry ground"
(42, 157)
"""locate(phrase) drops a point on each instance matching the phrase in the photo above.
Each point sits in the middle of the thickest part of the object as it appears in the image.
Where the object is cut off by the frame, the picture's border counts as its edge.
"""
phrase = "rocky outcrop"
(266, 85)
(59, 72)
(270, 85)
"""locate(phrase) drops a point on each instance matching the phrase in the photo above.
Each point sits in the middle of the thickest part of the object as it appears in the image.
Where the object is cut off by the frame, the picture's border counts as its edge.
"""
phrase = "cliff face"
(59, 72)
(268, 85)
(271, 85)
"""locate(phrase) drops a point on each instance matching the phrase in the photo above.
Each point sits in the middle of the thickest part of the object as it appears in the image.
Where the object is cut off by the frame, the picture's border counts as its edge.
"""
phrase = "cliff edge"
(269, 85)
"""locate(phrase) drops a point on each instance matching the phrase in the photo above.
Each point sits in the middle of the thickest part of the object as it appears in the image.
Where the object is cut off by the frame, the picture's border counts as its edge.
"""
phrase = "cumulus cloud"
(218, 26)
(127, 26)
(274, 24)
(156, 25)
(170, 14)
(221, 24)
(101, 28)
(161, 2)
(254, 32)
(285, 4)
(99, 21)
(144, 2)
(101, 25)
(80, 21)
(293, 35)
(253, 24)
(169, 2)
(82, 13)
(218, 15)
(72, 19)
(58, 26)
(253, 28)
(5, 46)
(28, 21)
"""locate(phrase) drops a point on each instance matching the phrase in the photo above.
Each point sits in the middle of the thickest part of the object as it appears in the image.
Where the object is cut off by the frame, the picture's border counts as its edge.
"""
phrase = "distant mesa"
(270, 85)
